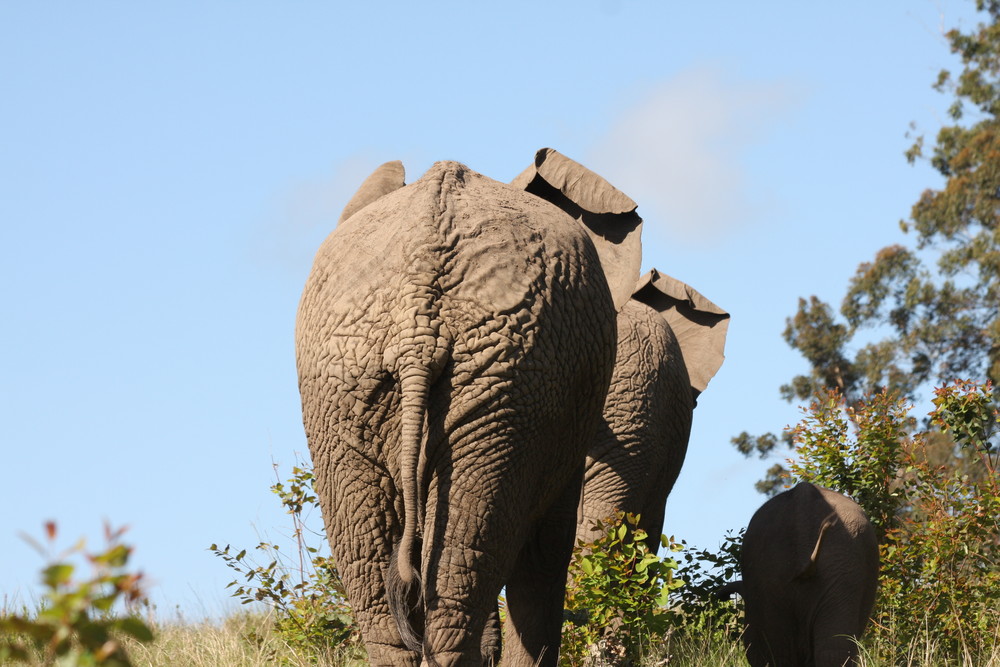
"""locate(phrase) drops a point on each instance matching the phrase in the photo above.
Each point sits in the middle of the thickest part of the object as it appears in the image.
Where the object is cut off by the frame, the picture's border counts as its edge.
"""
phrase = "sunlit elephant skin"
(670, 344)
(810, 573)
(454, 341)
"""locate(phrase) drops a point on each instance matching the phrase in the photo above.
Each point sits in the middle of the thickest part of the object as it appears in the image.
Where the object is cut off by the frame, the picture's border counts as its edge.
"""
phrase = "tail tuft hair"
(404, 598)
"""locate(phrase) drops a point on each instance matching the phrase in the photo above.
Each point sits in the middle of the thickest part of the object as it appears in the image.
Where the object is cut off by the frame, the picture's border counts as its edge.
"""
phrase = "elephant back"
(485, 270)
(481, 240)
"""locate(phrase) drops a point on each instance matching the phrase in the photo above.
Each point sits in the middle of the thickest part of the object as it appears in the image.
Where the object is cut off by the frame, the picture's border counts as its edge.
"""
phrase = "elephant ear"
(699, 325)
(605, 212)
(382, 181)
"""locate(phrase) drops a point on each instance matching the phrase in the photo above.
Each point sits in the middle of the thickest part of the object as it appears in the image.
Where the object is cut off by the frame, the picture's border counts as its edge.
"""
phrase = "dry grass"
(925, 654)
(703, 653)
(247, 640)
(697, 652)
(243, 640)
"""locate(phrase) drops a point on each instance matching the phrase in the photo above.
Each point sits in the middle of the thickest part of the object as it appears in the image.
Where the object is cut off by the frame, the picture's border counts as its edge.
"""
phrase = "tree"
(937, 302)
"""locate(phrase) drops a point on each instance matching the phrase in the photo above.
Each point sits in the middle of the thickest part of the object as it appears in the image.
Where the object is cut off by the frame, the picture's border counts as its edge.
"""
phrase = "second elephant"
(670, 344)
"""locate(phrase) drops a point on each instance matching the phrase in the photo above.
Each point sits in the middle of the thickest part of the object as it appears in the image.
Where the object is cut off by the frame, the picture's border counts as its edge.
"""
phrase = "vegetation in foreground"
(939, 601)
(77, 622)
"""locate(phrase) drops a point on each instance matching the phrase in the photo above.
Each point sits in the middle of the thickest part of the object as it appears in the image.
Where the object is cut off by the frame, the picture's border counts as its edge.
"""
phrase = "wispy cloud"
(289, 237)
(681, 152)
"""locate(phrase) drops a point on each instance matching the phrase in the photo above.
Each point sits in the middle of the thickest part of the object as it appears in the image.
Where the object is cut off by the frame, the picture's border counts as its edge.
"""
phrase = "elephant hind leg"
(757, 650)
(536, 590)
(835, 642)
(836, 651)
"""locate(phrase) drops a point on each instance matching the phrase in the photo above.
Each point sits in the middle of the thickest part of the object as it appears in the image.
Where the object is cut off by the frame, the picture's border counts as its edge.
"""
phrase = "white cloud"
(681, 152)
(289, 237)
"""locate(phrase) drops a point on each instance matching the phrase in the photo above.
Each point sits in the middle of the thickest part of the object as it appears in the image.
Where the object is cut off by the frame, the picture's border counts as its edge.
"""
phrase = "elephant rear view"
(810, 573)
(670, 344)
(454, 343)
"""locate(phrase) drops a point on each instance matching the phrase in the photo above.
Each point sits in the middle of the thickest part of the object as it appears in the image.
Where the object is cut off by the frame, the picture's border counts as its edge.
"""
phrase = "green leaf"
(134, 627)
(57, 575)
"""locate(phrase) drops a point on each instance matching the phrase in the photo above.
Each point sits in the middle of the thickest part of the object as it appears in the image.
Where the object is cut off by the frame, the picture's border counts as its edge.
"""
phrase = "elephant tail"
(403, 586)
(417, 359)
(418, 369)
(809, 570)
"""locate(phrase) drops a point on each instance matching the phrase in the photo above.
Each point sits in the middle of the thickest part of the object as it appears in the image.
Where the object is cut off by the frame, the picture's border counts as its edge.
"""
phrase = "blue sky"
(167, 172)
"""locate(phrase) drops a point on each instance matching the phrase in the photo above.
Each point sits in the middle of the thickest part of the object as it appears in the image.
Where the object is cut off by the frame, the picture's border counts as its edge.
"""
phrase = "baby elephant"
(810, 570)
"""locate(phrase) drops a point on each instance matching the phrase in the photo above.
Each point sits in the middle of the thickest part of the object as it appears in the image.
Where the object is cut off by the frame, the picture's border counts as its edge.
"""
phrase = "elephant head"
(670, 344)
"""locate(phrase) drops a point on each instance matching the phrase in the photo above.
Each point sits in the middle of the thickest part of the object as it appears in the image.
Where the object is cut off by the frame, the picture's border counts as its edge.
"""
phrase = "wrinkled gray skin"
(810, 572)
(640, 445)
(664, 329)
(643, 438)
(454, 343)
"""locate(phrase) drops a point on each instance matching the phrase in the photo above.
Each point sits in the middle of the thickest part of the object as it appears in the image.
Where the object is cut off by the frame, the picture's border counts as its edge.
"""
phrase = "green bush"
(939, 515)
(941, 565)
(858, 451)
(616, 601)
(304, 588)
(701, 612)
(76, 624)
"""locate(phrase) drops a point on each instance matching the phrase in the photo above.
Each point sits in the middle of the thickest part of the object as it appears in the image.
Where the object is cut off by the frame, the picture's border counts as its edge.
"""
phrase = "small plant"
(859, 451)
(304, 588)
(616, 601)
(702, 611)
(965, 410)
(941, 566)
(75, 624)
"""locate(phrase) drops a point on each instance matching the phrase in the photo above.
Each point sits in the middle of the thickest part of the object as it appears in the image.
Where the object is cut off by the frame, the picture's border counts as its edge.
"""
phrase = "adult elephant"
(670, 344)
(454, 342)
(810, 572)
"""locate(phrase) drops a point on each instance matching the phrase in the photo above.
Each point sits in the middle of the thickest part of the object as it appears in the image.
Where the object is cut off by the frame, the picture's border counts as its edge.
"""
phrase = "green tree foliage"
(927, 312)
(856, 449)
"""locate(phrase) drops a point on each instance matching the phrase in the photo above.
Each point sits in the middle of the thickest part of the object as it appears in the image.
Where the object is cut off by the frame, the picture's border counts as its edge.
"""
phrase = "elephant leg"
(536, 590)
(758, 654)
(360, 540)
(464, 577)
(835, 641)
(836, 651)
(772, 635)
(652, 521)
